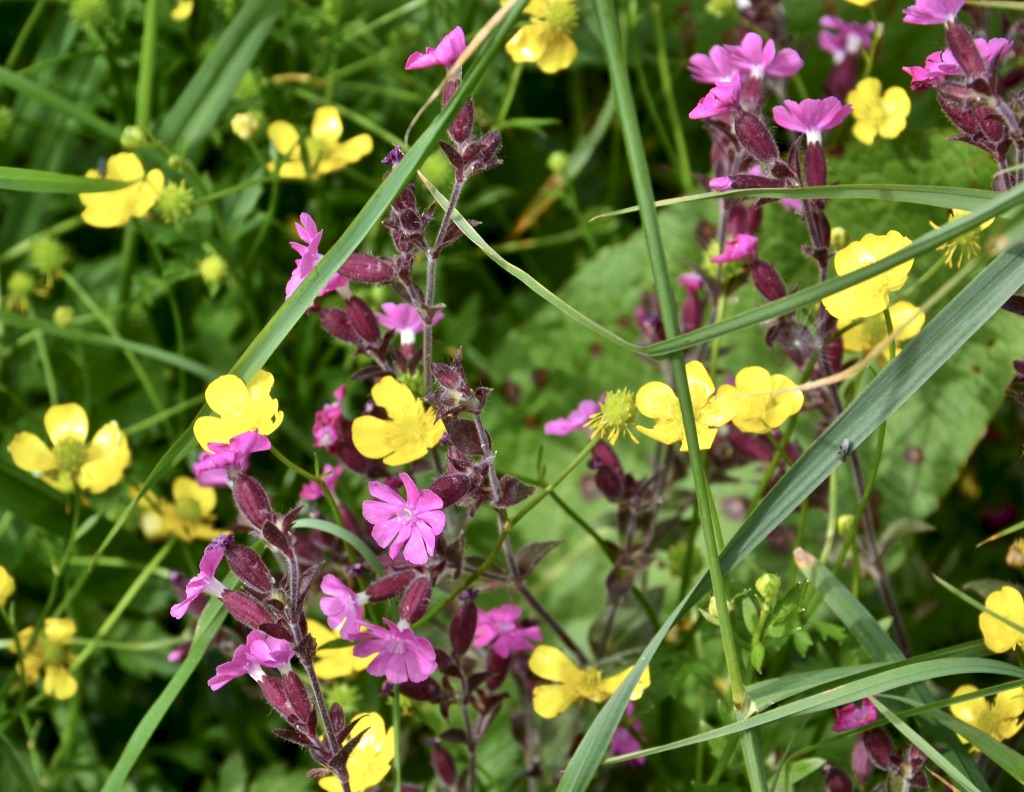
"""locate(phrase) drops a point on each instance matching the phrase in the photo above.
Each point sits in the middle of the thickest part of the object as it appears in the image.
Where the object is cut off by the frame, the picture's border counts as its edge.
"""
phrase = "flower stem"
(541, 494)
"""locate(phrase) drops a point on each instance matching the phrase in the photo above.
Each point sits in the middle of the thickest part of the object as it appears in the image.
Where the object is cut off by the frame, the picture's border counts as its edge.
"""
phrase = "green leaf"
(346, 536)
(27, 87)
(40, 181)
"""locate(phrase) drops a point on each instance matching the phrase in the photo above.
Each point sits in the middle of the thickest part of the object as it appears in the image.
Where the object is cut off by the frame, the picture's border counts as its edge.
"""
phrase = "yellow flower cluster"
(322, 150)
(877, 114)
(569, 682)
(48, 655)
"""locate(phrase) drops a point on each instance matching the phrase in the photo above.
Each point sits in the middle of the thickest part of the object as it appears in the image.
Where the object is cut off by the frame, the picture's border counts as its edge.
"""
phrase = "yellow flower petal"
(1000, 637)
(348, 152)
(187, 488)
(58, 683)
(550, 701)
(551, 663)
(66, 422)
(7, 586)
(183, 10)
(528, 43)
(559, 54)
(327, 125)
(107, 457)
(871, 296)
(285, 138)
(59, 631)
(611, 684)
(31, 454)
(125, 166)
(998, 719)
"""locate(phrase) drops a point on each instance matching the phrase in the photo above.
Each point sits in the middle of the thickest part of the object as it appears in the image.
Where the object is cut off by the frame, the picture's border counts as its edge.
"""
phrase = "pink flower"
(410, 523)
(560, 427)
(404, 320)
(738, 248)
(448, 51)
(811, 116)
(205, 581)
(309, 255)
(720, 183)
(791, 204)
(715, 67)
(342, 607)
(691, 281)
(940, 65)
(401, 656)
(499, 625)
(624, 739)
(854, 715)
(213, 468)
(756, 57)
(312, 491)
(932, 12)
(718, 101)
(258, 652)
(842, 39)
(326, 421)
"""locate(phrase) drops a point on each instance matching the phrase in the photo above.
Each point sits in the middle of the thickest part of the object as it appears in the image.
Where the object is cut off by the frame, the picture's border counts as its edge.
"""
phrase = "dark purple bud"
(916, 758)
(961, 44)
(364, 268)
(390, 586)
(416, 600)
(277, 630)
(815, 169)
(880, 750)
(252, 500)
(298, 697)
(755, 137)
(337, 716)
(1015, 305)
(610, 478)
(393, 157)
(444, 766)
(336, 322)
(462, 127)
(693, 311)
(860, 761)
(451, 489)
(274, 537)
(363, 320)
(250, 569)
(463, 435)
(767, 280)
(497, 667)
(273, 691)
(511, 492)
(835, 779)
(245, 609)
(453, 157)
(746, 181)
(428, 690)
(448, 91)
(463, 628)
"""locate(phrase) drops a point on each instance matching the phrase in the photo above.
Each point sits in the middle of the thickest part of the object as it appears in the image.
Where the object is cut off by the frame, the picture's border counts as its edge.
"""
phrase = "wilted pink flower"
(258, 652)
(327, 420)
(718, 101)
(500, 626)
(739, 247)
(205, 581)
(940, 65)
(560, 427)
(401, 656)
(842, 39)
(932, 12)
(411, 522)
(309, 255)
(342, 607)
(213, 468)
(312, 491)
(854, 715)
(715, 67)
(758, 58)
(448, 51)
(811, 116)
(404, 320)
(624, 739)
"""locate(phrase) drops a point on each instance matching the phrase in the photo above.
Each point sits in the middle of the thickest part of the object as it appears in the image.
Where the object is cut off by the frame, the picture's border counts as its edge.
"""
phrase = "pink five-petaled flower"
(342, 607)
(258, 652)
(309, 255)
(811, 116)
(312, 491)
(213, 468)
(404, 320)
(853, 716)
(401, 656)
(842, 39)
(715, 67)
(206, 581)
(932, 12)
(411, 522)
(499, 625)
(737, 248)
(327, 420)
(560, 427)
(718, 101)
(447, 52)
(758, 58)
(942, 64)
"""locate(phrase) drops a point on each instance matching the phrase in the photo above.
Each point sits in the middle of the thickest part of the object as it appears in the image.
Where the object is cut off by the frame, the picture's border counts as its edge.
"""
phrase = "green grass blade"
(40, 181)
(15, 771)
(23, 85)
(346, 536)
(1002, 755)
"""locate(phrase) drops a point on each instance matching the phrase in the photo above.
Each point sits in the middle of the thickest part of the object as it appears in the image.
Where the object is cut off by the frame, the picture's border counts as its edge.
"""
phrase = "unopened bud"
(390, 586)
(132, 137)
(63, 315)
(462, 127)
(245, 609)
(463, 628)
(839, 238)
(755, 137)
(444, 766)
(557, 161)
(416, 600)
(845, 525)
(245, 125)
(767, 280)
(1015, 555)
(768, 586)
(250, 569)
(175, 202)
(252, 500)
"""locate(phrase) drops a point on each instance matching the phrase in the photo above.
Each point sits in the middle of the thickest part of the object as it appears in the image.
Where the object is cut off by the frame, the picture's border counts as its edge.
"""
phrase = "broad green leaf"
(40, 181)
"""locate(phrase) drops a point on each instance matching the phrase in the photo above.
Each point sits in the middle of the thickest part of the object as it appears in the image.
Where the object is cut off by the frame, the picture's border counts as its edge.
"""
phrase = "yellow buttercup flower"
(48, 655)
(183, 10)
(115, 208)
(907, 321)
(7, 586)
(861, 3)
(95, 466)
(323, 150)
(967, 244)
(658, 401)
(338, 662)
(190, 515)
(370, 762)
(572, 683)
(615, 416)
(761, 407)
(240, 408)
(410, 431)
(1000, 637)
(547, 39)
(878, 114)
(871, 296)
(998, 719)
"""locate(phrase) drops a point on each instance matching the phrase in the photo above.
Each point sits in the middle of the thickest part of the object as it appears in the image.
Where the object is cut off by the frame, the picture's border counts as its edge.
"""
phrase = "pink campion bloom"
(309, 255)
(500, 626)
(401, 656)
(312, 491)
(342, 607)
(791, 204)
(842, 39)
(811, 116)
(560, 427)
(404, 320)
(448, 51)
(206, 581)
(178, 653)
(718, 101)
(758, 58)
(691, 281)
(624, 739)
(258, 652)
(737, 248)
(411, 522)
(940, 65)
(715, 67)
(213, 468)
(720, 183)
(854, 715)
(932, 12)
(327, 420)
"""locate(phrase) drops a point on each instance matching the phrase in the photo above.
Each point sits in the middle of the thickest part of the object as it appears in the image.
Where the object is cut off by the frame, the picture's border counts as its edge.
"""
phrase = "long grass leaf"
(40, 181)
(23, 85)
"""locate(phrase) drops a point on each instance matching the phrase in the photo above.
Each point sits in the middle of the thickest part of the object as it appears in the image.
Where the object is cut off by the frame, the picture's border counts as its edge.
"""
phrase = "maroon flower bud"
(815, 169)
(451, 489)
(755, 137)
(448, 91)
(416, 600)
(497, 667)
(363, 320)
(454, 157)
(245, 609)
(693, 311)
(767, 280)
(860, 761)
(462, 127)
(365, 268)
(273, 691)
(463, 628)
(298, 697)
(610, 478)
(390, 586)
(250, 569)
(252, 500)
(428, 690)
(961, 44)
(880, 750)
(336, 322)
(444, 766)
(835, 779)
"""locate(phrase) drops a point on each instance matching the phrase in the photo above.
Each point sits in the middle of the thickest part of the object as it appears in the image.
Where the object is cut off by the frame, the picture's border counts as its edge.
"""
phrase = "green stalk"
(147, 64)
(24, 33)
(682, 158)
(510, 93)
(53, 100)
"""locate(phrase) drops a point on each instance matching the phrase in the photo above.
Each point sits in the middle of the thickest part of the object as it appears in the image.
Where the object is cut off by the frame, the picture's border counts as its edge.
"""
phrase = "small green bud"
(177, 162)
(213, 269)
(768, 586)
(757, 652)
(63, 315)
(89, 13)
(175, 202)
(47, 255)
(719, 8)
(558, 161)
(845, 525)
(245, 125)
(21, 285)
(839, 238)
(132, 137)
